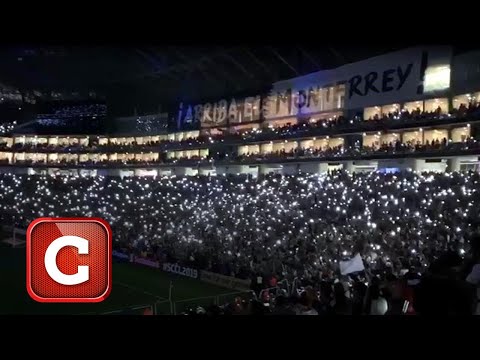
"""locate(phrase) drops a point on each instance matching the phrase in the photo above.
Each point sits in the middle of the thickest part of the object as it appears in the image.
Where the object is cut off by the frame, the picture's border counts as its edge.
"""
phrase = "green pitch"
(133, 287)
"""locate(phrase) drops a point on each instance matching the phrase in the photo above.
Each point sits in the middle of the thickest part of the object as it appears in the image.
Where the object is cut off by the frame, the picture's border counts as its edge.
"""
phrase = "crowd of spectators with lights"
(77, 111)
(87, 163)
(336, 152)
(293, 228)
(257, 134)
(6, 127)
(341, 151)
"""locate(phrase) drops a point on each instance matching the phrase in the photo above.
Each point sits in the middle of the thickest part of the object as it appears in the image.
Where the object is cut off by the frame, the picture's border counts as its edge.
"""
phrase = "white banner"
(383, 79)
(353, 265)
(386, 79)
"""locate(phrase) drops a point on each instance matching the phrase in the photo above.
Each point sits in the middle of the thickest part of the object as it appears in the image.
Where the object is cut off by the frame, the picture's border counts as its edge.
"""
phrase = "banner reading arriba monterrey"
(222, 112)
(277, 104)
(225, 281)
(384, 79)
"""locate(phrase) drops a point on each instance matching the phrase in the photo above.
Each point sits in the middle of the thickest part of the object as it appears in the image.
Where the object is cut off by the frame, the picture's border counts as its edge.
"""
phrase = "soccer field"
(134, 286)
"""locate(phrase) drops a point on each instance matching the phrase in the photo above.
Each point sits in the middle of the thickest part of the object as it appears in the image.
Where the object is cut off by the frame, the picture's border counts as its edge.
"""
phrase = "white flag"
(353, 265)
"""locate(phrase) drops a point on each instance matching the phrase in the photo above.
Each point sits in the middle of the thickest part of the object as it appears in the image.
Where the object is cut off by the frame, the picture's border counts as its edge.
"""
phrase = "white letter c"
(51, 260)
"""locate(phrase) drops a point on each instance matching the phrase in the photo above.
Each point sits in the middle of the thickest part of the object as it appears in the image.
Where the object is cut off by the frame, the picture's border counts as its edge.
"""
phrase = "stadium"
(349, 188)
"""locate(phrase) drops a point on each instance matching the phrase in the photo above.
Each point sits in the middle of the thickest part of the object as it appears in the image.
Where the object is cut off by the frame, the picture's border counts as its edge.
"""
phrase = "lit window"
(437, 78)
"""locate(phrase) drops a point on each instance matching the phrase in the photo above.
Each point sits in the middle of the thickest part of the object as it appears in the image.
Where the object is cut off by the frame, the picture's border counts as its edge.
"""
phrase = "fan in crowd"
(414, 233)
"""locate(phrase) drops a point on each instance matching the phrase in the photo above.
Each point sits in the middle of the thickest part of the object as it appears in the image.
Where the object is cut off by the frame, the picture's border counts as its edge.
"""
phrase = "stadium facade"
(412, 109)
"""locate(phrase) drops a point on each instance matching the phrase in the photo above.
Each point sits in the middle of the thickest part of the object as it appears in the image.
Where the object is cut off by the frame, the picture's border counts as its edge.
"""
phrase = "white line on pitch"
(139, 290)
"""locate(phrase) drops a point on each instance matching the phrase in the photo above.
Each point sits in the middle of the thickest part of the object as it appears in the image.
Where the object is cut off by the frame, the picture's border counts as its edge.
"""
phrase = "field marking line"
(116, 310)
(134, 288)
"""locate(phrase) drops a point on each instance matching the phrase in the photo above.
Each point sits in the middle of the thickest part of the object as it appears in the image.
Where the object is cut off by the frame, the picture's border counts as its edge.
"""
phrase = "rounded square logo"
(69, 260)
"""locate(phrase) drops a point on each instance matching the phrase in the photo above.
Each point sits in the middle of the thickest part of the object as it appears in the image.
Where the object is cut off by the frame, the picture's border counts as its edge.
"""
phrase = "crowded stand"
(76, 111)
(88, 163)
(9, 94)
(275, 228)
(6, 127)
(309, 128)
(398, 148)
(347, 191)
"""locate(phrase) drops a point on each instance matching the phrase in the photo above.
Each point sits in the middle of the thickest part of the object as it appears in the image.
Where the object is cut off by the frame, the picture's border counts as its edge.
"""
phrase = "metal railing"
(181, 305)
(282, 285)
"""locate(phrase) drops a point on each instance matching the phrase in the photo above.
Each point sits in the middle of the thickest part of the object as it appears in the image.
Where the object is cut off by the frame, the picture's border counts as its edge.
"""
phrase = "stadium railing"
(148, 309)
(18, 236)
(295, 285)
(282, 286)
(231, 297)
(181, 306)
(164, 307)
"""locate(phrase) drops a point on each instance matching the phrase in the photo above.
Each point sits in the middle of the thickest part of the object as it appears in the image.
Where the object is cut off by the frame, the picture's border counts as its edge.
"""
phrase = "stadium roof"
(147, 76)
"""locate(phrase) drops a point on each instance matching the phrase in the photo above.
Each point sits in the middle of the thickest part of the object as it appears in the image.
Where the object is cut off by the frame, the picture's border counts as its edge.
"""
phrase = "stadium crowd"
(357, 151)
(392, 148)
(269, 133)
(411, 231)
(7, 127)
(75, 111)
